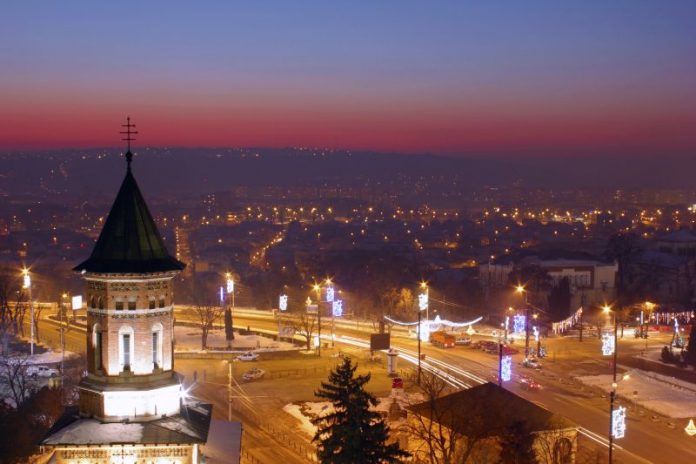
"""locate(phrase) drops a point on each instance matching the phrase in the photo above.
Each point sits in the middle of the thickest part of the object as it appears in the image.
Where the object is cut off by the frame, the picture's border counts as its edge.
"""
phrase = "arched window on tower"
(119, 304)
(157, 330)
(92, 302)
(100, 302)
(126, 348)
(131, 303)
(161, 301)
(151, 302)
(97, 347)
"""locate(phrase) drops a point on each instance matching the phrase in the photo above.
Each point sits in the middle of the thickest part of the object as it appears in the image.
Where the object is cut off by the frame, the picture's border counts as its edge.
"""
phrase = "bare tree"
(445, 434)
(305, 324)
(12, 305)
(13, 374)
(206, 315)
(557, 445)
(38, 309)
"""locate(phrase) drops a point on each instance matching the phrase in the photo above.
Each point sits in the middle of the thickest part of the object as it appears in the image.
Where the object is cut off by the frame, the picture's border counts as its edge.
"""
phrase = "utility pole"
(26, 283)
(418, 335)
(526, 331)
(229, 390)
(500, 363)
(582, 309)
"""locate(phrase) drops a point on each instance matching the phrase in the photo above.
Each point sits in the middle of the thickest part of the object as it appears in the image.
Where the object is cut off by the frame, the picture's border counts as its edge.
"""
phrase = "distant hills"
(191, 170)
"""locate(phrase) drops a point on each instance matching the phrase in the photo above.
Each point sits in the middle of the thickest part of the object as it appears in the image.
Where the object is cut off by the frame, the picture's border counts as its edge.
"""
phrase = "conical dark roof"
(129, 241)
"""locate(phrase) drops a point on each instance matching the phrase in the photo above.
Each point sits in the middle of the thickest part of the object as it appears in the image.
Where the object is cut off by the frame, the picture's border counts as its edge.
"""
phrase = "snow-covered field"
(659, 393)
(189, 339)
(49, 357)
(308, 409)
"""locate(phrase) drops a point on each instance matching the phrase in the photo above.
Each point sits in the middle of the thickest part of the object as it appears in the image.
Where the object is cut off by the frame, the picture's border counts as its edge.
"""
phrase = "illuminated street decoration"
(607, 344)
(222, 294)
(506, 368)
(77, 302)
(535, 330)
(329, 294)
(690, 429)
(422, 301)
(424, 331)
(618, 424)
(436, 323)
(518, 323)
(470, 330)
(230, 286)
(337, 308)
(283, 302)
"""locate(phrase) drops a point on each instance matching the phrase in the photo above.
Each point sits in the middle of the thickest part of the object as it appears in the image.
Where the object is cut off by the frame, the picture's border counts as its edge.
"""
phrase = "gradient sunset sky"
(565, 78)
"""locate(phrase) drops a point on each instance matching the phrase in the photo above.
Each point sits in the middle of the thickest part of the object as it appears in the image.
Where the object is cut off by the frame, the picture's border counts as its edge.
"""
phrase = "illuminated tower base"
(132, 407)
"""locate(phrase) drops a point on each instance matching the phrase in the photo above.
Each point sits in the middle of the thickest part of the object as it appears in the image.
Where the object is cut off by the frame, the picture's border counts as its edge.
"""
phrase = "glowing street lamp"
(690, 428)
(520, 290)
(26, 284)
(617, 418)
(422, 306)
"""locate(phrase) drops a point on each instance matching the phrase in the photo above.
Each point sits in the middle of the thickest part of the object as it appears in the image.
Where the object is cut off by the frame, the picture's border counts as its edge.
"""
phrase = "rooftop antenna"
(129, 138)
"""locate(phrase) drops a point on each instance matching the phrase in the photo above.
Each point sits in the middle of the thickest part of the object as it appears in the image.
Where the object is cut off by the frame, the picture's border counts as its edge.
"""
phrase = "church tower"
(130, 379)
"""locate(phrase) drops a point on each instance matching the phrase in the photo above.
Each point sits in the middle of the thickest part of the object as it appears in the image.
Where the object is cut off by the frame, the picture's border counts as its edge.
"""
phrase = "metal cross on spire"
(129, 133)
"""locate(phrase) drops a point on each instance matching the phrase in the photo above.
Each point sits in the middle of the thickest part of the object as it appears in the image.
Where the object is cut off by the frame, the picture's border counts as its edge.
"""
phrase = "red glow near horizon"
(405, 130)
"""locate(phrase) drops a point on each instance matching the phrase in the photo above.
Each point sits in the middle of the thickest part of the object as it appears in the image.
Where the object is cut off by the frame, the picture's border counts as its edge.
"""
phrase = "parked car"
(531, 363)
(253, 374)
(41, 371)
(248, 356)
(529, 384)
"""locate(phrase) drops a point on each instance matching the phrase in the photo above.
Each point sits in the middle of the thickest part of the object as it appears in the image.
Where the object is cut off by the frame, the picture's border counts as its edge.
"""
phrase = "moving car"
(253, 374)
(529, 384)
(463, 341)
(248, 356)
(531, 363)
(442, 339)
(41, 371)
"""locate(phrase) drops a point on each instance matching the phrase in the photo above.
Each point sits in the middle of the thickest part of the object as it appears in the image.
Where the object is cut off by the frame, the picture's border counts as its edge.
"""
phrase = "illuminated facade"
(132, 407)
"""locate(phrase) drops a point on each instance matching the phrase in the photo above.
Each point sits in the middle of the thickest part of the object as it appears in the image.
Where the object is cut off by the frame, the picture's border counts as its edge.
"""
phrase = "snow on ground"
(306, 426)
(49, 357)
(659, 393)
(309, 409)
(224, 442)
(90, 431)
(189, 339)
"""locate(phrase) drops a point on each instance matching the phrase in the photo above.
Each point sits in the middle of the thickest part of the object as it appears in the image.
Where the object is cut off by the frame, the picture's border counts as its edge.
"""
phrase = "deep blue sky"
(543, 77)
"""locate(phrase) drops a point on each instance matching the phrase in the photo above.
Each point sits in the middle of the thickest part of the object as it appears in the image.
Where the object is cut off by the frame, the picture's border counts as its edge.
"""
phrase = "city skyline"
(504, 80)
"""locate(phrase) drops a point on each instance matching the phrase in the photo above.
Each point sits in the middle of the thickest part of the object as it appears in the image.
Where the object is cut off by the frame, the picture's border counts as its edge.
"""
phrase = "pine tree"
(352, 433)
(690, 354)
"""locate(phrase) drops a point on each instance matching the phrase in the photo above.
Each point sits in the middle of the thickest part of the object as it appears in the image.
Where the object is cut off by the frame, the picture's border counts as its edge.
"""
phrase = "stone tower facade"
(132, 406)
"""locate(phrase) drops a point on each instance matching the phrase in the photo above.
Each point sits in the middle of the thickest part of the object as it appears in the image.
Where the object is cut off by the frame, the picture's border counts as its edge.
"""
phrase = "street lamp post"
(229, 312)
(612, 394)
(317, 288)
(521, 290)
(63, 304)
(423, 304)
(26, 283)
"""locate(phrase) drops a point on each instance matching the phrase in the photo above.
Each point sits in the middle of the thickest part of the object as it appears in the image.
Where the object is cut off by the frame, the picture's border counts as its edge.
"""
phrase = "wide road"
(649, 437)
